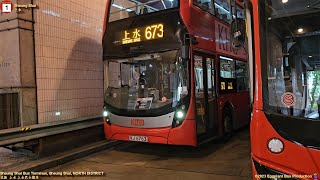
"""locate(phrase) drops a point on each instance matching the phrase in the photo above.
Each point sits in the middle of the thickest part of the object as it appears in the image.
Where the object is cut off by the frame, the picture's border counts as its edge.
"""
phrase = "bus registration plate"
(138, 138)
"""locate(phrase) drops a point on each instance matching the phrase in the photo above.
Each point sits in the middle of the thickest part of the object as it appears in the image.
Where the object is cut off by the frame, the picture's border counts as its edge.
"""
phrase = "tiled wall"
(69, 67)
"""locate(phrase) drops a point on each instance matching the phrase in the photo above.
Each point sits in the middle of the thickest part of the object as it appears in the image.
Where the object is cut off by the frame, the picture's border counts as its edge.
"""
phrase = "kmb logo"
(137, 122)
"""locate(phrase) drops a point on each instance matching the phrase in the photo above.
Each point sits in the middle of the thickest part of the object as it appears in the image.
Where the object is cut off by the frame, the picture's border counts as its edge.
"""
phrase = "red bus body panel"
(240, 105)
(258, 79)
(210, 41)
(122, 133)
(295, 159)
(182, 135)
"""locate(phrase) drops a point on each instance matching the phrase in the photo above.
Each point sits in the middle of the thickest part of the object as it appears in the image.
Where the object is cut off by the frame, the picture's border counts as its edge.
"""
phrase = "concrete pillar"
(17, 61)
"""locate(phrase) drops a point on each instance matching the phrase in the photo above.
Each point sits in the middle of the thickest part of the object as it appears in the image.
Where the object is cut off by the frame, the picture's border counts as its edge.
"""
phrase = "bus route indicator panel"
(140, 34)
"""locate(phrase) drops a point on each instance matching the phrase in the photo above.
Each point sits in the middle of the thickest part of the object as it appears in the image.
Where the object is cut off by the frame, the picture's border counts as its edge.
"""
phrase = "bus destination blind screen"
(140, 34)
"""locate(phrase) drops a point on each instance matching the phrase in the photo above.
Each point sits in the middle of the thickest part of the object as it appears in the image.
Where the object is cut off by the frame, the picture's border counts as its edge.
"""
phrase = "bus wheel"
(227, 124)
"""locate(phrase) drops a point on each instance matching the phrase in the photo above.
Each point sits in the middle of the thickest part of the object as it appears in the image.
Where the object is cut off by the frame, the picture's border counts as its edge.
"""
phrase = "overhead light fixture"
(222, 8)
(226, 58)
(300, 30)
(121, 7)
(310, 56)
(284, 1)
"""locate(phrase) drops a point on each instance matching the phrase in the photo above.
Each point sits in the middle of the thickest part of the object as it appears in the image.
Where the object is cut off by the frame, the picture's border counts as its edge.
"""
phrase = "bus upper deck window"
(122, 9)
(222, 10)
(240, 12)
(206, 5)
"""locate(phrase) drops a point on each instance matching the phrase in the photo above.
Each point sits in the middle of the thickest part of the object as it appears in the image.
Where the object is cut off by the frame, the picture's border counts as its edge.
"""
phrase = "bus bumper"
(182, 135)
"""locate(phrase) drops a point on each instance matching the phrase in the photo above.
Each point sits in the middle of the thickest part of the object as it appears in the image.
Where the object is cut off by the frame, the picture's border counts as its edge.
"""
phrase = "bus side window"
(206, 5)
(240, 12)
(227, 74)
(210, 74)
(227, 68)
(242, 76)
(198, 70)
(222, 9)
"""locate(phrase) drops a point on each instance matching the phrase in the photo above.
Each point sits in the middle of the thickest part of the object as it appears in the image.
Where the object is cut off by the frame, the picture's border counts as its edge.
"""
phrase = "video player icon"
(6, 6)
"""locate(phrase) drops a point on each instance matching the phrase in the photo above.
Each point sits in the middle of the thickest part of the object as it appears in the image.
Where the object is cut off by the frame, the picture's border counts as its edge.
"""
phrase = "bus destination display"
(146, 33)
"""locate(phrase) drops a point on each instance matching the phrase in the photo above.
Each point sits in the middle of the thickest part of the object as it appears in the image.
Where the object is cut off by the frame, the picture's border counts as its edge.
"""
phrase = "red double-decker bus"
(171, 74)
(285, 126)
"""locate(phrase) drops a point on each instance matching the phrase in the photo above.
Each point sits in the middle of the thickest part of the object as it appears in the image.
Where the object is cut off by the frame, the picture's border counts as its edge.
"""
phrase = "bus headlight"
(275, 145)
(105, 114)
(178, 118)
(179, 114)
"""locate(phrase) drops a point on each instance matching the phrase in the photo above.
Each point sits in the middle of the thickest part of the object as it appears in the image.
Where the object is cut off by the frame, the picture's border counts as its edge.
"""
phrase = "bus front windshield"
(121, 9)
(290, 47)
(147, 85)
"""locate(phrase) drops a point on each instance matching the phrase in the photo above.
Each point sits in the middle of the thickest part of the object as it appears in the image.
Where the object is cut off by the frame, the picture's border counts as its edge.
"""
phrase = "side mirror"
(185, 52)
(286, 60)
(238, 33)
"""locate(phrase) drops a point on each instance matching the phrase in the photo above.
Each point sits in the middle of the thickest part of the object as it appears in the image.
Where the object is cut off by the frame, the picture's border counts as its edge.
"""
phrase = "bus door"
(205, 95)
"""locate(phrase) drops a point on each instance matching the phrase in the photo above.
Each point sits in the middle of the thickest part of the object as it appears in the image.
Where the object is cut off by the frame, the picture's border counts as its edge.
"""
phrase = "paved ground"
(11, 158)
(214, 161)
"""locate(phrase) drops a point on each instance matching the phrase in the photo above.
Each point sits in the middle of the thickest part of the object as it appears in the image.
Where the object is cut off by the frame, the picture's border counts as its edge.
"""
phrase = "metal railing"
(19, 135)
